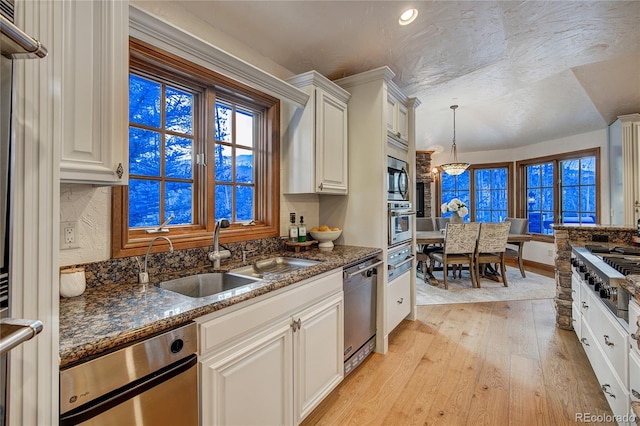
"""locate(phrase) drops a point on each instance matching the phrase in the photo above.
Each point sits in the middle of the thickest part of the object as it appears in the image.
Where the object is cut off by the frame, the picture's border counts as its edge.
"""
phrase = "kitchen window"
(559, 189)
(484, 188)
(201, 148)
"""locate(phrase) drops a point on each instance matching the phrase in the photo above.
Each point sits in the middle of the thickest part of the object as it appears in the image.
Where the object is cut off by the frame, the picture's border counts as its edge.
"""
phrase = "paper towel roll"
(72, 282)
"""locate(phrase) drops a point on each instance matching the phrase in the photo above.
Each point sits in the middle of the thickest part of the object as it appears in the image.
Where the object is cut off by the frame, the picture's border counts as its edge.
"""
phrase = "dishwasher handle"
(359, 271)
(95, 408)
(397, 265)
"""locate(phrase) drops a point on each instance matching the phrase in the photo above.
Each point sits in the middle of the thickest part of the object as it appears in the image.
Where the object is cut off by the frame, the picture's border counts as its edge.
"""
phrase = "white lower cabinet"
(613, 388)
(274, 361)
(605, 342)
(398, 300)
(250, 383)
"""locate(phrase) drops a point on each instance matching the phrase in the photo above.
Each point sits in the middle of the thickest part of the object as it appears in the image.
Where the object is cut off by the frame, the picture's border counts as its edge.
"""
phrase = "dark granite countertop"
(557, 226)
(114, 314)
(632, 285)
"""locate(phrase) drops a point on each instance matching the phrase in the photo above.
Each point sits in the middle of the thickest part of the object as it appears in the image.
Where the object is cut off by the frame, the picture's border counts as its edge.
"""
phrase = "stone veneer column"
(568, 236)
(423, 174)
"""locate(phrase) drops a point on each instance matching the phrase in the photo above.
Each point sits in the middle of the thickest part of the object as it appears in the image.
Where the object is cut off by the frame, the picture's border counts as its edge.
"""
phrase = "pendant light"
(455, 167)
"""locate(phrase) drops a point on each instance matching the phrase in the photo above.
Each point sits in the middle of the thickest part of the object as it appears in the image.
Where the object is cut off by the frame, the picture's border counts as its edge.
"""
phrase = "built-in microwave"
(400, 222)
(397, 180)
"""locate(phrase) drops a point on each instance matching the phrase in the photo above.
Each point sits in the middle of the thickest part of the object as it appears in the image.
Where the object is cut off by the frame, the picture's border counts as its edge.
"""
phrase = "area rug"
(535, 286)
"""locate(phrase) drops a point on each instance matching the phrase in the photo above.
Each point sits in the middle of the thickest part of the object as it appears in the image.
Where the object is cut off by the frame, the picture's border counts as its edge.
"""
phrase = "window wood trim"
(555, 159)
(135, 242)
(472, 197)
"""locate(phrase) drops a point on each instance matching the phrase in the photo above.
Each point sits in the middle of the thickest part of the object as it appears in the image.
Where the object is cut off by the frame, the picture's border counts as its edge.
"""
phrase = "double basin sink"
(203, 285)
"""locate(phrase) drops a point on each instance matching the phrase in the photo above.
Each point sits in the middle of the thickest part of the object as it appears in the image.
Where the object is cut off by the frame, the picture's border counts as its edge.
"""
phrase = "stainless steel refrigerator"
(14, 45)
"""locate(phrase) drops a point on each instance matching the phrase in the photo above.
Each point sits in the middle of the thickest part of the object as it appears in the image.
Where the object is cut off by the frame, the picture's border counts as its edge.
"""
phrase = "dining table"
(437, 237)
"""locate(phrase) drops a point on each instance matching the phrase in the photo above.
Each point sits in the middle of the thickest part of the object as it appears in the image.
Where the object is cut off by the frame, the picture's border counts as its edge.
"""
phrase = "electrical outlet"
(550, 252)
(69, 235)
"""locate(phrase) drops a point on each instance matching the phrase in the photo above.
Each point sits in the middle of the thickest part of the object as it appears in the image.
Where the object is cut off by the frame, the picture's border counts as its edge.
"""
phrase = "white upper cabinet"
(95, 89)
(315, 140)
(397, 117)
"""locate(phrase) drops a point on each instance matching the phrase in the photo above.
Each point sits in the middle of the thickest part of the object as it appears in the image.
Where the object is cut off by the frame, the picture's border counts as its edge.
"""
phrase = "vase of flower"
(455, 218)
(457, 208)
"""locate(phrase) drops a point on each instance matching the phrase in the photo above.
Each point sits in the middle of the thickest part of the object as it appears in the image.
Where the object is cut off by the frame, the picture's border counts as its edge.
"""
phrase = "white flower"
(456, 206)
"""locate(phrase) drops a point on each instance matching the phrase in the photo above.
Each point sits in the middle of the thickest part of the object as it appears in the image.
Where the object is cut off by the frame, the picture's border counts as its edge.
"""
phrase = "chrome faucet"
(143, 276)
(216, 255)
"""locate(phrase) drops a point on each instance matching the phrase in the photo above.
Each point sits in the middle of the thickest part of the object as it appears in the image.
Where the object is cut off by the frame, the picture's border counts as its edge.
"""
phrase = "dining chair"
(458, 249)
(441, 223)
(422, 255)
(492, 243)
(514, 250)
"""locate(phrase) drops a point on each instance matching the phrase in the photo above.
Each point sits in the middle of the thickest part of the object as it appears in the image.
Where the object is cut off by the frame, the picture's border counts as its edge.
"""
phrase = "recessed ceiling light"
(408, 16)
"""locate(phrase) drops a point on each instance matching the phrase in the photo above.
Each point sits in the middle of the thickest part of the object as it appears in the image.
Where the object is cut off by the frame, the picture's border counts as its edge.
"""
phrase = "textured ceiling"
(522, 72)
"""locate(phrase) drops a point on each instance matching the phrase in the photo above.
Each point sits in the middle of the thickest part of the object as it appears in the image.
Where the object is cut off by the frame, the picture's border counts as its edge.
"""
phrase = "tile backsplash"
(167, 264)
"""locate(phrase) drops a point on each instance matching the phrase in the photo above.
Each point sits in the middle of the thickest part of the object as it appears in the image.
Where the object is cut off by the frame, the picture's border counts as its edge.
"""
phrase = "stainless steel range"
(603, 269)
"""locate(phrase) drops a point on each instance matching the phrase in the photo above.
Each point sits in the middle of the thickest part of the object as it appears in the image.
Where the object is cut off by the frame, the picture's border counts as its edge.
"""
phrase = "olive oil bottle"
(293, 228)
(302, 231)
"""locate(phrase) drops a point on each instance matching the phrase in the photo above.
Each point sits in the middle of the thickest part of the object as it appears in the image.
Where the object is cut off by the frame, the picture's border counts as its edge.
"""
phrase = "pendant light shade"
(454, 168)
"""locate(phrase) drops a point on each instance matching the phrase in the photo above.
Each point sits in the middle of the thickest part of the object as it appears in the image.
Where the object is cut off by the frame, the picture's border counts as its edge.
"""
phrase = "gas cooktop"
(598, 249)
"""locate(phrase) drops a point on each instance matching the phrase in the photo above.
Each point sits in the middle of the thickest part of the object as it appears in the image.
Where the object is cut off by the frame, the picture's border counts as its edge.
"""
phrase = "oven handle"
(91, 409)
(397, 265)
(359, 271)
(402, 213)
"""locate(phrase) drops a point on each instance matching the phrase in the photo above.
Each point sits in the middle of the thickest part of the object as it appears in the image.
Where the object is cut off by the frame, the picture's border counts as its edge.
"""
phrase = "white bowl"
(326, 238)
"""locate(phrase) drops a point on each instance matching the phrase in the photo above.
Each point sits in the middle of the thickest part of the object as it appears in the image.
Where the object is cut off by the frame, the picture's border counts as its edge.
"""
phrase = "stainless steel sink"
(202, 285)
(273, 265)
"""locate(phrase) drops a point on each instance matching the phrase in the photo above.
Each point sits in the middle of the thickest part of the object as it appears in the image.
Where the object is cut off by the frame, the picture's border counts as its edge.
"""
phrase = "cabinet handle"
(296, 324)
(607, 341)
(400, 301)
(605, 389)
(120, 170)
(320, 187)
(584, 341)
(584, 305)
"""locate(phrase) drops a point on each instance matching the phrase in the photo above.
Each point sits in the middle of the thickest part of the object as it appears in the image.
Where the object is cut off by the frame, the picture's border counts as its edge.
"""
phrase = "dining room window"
(561, 189)
(486, 189)
(202, 147)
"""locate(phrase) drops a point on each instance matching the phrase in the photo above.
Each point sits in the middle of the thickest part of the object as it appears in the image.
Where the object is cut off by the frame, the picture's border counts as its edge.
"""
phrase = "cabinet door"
(331, 144)
(403, 122)
(318, 358)
(391, 113)
(398, 300)
(251, 382)
(95, 91)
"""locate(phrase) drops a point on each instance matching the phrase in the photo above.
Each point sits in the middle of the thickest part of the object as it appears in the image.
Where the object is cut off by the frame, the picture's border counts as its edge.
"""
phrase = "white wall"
(91, 206)
(539, 251)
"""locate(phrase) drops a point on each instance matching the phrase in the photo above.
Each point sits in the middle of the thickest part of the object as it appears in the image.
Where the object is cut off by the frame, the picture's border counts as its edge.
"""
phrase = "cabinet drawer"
(398, 300)
(575, 289)
(575, 319)
(634, 326)
(610, 336)
(586, 305)
(614, 390)
(634, 376)
(221, 327)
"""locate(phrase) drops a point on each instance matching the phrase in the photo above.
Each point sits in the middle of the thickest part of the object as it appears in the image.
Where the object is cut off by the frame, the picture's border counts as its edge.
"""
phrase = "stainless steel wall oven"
(400, 222)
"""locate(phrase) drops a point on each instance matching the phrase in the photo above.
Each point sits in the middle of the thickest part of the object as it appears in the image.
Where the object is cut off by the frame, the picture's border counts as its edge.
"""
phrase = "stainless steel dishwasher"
(151, 382)
(360, 291)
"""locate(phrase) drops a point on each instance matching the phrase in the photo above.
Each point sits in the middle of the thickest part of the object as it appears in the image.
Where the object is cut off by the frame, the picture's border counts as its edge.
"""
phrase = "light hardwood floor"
(498, 363)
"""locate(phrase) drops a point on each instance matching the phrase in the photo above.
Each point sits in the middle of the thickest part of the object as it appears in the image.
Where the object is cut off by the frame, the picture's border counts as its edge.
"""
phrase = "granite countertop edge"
(116, 314)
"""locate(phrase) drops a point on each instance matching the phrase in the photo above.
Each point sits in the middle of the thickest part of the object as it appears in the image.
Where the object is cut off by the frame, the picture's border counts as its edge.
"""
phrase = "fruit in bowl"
(325, 235)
